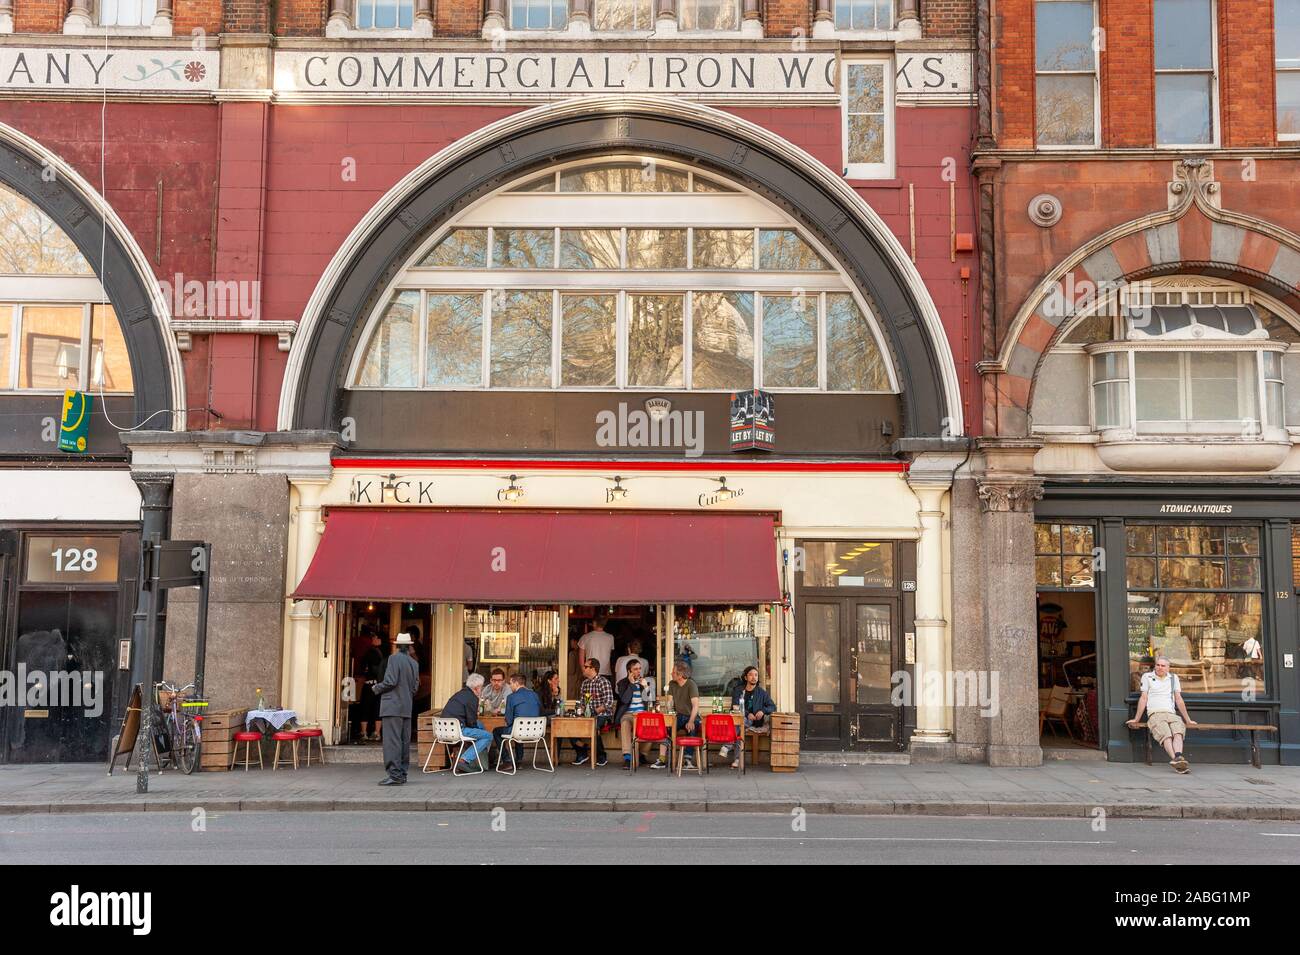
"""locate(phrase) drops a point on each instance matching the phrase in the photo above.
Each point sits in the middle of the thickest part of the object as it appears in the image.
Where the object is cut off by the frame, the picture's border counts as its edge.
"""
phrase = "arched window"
(626, 273)
(1177, 356)
(57, 331)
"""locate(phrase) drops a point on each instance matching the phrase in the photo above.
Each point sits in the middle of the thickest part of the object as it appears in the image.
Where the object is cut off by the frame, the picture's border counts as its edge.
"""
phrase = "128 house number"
(73, 559)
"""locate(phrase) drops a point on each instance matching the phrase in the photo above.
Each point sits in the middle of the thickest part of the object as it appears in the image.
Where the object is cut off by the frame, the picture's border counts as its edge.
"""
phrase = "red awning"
(572, 557)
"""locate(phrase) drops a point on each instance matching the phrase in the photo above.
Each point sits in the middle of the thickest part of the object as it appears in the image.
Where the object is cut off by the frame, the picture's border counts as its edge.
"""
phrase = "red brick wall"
(39, 16)
(1013, 73)
(188, 15)
(787, 18)
(458, 17)
(944, 18)
(176, 143)
(1246, 87)
(300, 17)
(246, 16)
(1128, 111)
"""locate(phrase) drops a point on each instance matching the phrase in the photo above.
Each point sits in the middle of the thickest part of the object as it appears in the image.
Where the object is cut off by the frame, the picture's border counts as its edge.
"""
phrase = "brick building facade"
(1137, 166)
(266, 179)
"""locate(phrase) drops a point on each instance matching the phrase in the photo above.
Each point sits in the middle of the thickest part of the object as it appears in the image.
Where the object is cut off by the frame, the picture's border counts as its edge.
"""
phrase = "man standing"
(633, 653)
(1161, 692)
(522, 701)
(597, 643)
(396, 692)
(463, 706)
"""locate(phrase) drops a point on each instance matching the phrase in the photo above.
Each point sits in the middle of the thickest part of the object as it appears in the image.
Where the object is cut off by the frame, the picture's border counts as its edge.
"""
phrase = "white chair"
(447, 733)
(525, 730)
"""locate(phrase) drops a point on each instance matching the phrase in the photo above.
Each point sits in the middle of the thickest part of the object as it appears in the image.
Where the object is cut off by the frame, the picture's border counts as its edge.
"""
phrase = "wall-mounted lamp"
(724, 493)
(616, 493)
(512, 492)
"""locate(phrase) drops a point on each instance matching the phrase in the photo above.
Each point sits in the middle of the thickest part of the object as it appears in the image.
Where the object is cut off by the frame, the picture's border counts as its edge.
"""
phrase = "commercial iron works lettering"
(560, 72)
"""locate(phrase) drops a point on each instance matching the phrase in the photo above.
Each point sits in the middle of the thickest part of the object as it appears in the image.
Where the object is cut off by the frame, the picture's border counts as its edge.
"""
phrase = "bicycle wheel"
(185, 748)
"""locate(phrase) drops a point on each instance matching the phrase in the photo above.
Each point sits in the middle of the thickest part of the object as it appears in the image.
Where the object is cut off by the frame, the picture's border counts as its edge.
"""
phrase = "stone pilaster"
(1007, 489)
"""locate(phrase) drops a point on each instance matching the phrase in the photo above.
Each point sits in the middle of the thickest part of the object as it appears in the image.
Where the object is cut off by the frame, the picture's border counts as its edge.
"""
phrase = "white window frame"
(101, 5)
(880, 170)
(873, 33)
(623, 282)
(537, 31)
(1213, 71)
(1293, 69)
(355, 11)
(1096, 83)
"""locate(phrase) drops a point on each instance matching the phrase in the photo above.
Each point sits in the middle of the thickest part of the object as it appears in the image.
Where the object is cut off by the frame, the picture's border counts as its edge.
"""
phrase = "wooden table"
(573, 727)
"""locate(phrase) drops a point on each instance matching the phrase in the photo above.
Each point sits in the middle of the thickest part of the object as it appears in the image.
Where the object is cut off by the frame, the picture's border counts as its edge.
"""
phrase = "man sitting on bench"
(1161, 692)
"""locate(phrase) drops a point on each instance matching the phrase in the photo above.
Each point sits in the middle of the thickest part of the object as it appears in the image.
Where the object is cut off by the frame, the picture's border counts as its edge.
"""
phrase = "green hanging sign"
(74, 425)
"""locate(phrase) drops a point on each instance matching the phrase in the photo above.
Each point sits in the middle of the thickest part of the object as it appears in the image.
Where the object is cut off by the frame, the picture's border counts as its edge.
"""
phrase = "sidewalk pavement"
(1055, 789)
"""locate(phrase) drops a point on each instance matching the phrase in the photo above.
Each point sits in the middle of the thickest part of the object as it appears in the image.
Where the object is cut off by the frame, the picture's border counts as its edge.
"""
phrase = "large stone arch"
(1194, 237)
(39, 175)
(705, 137)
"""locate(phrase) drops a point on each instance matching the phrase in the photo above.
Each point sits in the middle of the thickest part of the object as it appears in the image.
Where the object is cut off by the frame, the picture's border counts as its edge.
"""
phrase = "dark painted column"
(1280, 641)
(155, 518)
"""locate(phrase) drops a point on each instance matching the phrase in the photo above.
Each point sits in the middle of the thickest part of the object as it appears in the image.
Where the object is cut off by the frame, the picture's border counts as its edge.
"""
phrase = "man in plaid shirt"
(602, 699)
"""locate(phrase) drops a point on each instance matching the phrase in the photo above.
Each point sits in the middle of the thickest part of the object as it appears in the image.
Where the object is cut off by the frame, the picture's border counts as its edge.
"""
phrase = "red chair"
(317, 734)
(681, 745)
(249, 739)
(648, 728)
(721, 729)
(281, 737)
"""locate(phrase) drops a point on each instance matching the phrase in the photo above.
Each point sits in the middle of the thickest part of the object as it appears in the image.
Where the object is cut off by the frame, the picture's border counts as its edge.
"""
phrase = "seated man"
(463, 706)
(632, 694)
(494, 693)
(1161, 693)
(686, 704)
(521, 702)
(756, 703)
(597, 689)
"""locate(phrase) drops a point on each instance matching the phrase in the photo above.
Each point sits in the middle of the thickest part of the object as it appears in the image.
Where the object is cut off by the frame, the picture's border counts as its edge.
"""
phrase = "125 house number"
(73, 559)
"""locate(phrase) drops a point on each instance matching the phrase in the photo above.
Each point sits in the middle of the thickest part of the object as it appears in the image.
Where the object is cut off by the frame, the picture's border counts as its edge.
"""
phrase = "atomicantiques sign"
(121, 71)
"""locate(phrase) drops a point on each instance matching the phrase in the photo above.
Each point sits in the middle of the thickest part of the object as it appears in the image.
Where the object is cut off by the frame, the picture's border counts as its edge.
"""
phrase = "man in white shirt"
(633, 653)
(598, 644)
(1161, 693)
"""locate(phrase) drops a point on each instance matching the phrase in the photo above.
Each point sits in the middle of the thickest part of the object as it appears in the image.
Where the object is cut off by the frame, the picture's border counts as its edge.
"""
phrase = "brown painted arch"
(706, 145)
(131, 298)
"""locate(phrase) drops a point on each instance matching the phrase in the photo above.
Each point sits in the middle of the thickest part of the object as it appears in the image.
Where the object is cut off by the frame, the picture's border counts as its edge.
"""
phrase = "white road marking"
(1022, 842)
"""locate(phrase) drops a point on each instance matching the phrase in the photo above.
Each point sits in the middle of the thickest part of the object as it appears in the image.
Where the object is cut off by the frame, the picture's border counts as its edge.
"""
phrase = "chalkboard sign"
(124, 741)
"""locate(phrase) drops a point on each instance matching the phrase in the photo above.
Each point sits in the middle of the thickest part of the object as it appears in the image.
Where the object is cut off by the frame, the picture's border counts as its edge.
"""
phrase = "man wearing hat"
(396, 692)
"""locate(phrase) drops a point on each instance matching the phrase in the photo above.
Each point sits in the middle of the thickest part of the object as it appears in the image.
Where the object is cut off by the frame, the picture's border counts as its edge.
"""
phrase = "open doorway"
(1067, 638)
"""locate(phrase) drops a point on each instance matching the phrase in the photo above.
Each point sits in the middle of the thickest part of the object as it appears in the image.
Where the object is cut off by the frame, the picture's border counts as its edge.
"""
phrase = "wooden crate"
(785, 742)
(218, 734)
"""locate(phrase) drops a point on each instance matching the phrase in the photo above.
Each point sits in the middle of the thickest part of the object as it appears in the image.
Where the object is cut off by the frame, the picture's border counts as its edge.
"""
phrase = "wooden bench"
(1253, 730)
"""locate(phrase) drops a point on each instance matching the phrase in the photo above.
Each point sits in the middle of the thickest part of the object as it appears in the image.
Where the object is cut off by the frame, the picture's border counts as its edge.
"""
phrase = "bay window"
(1177, 391)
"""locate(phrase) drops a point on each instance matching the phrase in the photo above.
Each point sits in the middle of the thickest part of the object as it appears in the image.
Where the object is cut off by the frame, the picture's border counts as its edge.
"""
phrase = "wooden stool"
(314, 733)
(248, 738)
(283, 736)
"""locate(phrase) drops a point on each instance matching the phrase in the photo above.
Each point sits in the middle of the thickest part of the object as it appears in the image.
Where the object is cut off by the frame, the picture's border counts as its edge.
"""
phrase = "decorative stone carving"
(1045, 210)
(1194, 182)
(229, 461)
(1009, 497)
